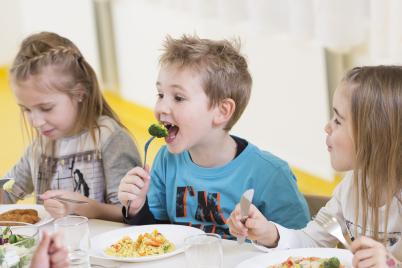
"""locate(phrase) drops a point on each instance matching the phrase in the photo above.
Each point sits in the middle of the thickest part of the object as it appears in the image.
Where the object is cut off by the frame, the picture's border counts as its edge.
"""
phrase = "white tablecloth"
(233, 253)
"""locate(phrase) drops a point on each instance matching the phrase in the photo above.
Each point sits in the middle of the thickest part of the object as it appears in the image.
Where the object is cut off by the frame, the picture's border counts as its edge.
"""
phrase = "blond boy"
(200, 174)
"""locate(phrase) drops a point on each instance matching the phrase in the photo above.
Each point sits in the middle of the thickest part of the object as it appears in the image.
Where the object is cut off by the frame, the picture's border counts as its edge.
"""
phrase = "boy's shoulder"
(265, 157)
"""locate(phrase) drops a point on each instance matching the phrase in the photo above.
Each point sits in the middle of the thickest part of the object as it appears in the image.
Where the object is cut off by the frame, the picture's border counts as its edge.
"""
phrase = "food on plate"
(147, 244)
(8, 186)
(21, 215)
(158, 130)
(309, 262)
(15, 250)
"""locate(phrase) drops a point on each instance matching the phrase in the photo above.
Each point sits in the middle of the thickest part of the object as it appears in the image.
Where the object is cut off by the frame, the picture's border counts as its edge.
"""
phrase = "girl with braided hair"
(79, 148)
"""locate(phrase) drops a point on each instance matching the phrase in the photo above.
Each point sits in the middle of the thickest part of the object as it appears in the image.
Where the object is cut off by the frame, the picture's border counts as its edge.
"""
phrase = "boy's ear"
(225, 109)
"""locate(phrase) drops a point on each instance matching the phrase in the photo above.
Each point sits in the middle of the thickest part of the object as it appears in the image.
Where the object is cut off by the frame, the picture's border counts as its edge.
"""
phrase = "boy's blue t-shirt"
(185, 193)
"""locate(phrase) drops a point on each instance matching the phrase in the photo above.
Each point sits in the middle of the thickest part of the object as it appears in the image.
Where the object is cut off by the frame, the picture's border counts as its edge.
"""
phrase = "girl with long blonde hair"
(364, 139)
(80, 149)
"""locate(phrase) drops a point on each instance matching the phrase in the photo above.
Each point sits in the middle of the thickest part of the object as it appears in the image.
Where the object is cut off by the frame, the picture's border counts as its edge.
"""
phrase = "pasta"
(147, 244)
(309, 262)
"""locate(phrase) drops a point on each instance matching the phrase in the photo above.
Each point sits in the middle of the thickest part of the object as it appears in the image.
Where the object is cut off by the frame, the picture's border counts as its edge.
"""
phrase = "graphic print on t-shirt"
(208, 210)
(81, 172)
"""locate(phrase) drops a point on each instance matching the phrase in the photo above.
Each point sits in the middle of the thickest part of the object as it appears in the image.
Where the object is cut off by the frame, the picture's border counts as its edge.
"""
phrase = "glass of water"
(204, 250)
(75, 231)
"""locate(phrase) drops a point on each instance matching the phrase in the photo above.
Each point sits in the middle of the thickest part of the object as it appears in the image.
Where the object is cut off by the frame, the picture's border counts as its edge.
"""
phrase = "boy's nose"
(162, 107)
(327, 128)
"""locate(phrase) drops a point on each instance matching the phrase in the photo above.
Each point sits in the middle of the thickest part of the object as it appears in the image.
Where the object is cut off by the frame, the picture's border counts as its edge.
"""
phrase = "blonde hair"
(49, 50)
(376, 108)
(223, 69)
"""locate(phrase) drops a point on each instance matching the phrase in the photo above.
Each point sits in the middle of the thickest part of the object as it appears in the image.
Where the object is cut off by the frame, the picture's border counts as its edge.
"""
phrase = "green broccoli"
(158, 130)
(332, 263)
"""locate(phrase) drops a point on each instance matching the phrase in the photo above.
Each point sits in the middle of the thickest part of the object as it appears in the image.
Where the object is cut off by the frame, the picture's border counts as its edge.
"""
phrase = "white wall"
(288, 107)
(73, 19)
(11, 32)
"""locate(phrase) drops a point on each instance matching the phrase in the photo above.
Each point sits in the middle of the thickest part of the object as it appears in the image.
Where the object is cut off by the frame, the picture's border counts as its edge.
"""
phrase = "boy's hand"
(58, 209)
(256, 227)
(370, 253)
(134, 186)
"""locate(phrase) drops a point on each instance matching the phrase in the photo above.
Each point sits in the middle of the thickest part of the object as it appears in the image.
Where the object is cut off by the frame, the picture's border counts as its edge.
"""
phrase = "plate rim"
(93, 252)
(250, 261)
(30, 206)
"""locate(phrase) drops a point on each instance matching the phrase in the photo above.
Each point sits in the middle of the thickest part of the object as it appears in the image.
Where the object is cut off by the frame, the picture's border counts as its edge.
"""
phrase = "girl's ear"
(225, 110)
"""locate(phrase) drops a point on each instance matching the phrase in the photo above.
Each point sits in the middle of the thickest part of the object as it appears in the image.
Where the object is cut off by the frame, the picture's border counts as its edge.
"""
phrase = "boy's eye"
(178, 98)
(337, 121)
(159, 95)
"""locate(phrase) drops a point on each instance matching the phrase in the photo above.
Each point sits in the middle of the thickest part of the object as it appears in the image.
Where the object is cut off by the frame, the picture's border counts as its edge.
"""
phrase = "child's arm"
(92, 210)
(370, 253)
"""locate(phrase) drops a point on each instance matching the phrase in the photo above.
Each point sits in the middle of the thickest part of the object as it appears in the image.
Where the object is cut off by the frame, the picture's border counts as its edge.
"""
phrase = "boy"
(199, 176)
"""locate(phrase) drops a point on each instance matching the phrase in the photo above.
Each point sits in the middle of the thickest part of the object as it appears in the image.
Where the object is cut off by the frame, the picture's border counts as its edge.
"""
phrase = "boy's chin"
(174, 149)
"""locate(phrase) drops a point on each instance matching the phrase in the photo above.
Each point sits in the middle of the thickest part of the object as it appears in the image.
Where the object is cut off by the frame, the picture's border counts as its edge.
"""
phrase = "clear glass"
(204, 250)
(75, 232)
(19, 254)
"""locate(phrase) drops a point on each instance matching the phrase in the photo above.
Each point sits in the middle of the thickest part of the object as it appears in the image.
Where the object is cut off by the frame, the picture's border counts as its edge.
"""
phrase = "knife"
(245, 202)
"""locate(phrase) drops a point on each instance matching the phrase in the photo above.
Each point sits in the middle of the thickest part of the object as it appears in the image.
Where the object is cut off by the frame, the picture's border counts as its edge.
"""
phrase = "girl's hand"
(134, 186)
(58, 209)
(256, 227)
(50, 253)
(370, 253)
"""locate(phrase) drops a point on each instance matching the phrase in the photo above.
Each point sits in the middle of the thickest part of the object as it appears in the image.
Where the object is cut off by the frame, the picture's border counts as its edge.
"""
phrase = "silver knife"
(245, 202)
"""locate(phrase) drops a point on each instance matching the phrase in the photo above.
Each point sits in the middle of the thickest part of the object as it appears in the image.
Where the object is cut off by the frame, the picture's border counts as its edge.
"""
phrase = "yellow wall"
(135, 117)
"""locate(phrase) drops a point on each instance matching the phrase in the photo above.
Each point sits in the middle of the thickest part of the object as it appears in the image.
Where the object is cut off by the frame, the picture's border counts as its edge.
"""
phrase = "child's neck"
(216, 153)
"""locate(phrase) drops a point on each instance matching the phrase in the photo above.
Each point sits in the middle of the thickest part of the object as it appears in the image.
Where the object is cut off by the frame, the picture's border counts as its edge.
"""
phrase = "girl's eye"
(47, 109)
(25, 110)
(178, 98)
(159, 95)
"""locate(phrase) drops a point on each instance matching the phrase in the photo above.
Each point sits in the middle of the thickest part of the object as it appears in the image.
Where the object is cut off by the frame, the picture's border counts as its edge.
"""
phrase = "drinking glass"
(75, 232)
(204, 250)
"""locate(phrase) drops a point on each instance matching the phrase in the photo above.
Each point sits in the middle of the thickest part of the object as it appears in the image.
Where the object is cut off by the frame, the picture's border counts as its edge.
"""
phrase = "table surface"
(233, 253)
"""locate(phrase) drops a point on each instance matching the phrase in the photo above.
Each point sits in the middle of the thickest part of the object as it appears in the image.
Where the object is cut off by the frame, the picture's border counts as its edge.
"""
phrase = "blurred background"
(297, 51)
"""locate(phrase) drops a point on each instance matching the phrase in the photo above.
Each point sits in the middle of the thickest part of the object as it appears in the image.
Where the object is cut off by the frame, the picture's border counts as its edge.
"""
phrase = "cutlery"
(63, 199)
(332, 226)
(156, 131)
(245, 202)
(145, 161)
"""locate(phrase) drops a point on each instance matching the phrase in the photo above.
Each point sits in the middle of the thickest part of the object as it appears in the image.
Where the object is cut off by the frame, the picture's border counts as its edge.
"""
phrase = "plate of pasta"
(141, 243)
(301, 258)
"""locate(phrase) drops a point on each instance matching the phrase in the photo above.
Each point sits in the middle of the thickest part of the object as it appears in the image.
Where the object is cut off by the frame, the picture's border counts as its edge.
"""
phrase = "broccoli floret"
(332, 263)
(158, 130)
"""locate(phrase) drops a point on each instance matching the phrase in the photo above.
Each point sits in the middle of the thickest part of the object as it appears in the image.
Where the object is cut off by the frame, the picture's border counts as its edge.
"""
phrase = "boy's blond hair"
(222, 68)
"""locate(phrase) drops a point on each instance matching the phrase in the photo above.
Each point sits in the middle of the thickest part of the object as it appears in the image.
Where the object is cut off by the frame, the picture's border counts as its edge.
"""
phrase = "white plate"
(42, 213)
(278, 256)
(174, 233)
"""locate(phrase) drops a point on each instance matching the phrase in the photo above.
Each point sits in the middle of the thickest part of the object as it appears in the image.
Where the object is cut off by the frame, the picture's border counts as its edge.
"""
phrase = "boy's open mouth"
(172, 130)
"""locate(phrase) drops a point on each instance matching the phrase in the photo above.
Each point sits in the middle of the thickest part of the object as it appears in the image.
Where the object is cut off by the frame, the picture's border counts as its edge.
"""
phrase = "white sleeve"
(313, 235)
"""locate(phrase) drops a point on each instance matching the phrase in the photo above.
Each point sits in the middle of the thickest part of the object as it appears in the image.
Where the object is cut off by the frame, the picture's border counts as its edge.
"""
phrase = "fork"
(145, 161)
(63, 199)
(332, 226)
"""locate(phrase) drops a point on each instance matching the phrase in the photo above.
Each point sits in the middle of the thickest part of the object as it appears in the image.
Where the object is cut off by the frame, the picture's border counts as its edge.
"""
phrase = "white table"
(233, 253)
